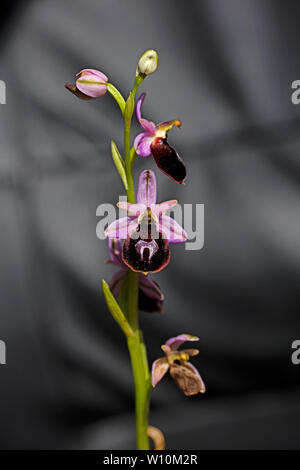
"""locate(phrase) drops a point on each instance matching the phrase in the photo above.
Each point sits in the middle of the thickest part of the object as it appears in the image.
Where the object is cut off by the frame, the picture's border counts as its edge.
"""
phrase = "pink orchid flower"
(177, 362)
(153, 141)
(90, 84)
(147, 230)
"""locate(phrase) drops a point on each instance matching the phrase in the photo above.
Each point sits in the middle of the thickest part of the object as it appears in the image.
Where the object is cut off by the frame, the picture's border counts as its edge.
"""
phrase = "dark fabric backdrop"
(225, 70)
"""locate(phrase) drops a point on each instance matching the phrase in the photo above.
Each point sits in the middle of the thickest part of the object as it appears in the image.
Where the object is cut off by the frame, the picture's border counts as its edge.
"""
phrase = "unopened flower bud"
(90, 84)
(148, 62)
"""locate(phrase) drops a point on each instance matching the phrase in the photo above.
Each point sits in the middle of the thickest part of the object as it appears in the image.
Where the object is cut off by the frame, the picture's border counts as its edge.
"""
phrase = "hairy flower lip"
(151, 297)
(153, 264)
(168, 160)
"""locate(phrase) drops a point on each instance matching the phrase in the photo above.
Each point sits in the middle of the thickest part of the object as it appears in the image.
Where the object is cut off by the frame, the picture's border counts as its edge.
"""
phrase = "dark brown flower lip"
(142, 261)
(168, 160)
(151, 297)
(149, 305)
(151, 271)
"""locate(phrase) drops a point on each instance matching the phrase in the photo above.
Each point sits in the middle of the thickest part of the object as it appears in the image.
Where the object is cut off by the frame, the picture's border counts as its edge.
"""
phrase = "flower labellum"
(141, 253)
(147, 230)
(150, 296)
(177, 362)
(148, 62)
(90, 84)
(153, 141)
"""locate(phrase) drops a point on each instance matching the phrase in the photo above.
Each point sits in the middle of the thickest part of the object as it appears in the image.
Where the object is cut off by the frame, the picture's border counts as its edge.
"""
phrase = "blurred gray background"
(226, 69)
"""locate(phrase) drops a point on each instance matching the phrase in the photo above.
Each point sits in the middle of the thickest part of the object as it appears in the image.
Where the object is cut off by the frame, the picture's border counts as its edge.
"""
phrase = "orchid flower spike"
(147, 230)
(90, 84)
(150, 296)
(153, 141)
(177, 362)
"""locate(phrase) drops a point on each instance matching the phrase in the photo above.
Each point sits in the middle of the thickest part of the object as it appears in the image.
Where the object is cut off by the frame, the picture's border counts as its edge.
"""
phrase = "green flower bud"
(148, 62)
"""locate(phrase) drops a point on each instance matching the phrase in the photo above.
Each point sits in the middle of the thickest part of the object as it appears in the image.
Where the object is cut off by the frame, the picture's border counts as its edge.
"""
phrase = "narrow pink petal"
(147, 188)
(172, 230)
(142, 144)
(132, 209)
(139, 106)
(120, 228)
(138, 138)
(133, 226)
(150, 288)
(176, 341)
(190, 352)
(158, 209)
(149, 126)
(159, 369)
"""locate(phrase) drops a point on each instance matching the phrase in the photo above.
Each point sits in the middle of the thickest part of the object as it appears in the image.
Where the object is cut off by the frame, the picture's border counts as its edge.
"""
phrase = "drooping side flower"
(150, 296)
(153, 141)
(147, 230)
(177, 362)
(90, 84)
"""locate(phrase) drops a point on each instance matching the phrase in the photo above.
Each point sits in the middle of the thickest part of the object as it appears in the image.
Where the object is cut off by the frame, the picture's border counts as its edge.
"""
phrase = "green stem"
(128, 165)
(127, 150)
(136, 346)
(142, 390)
